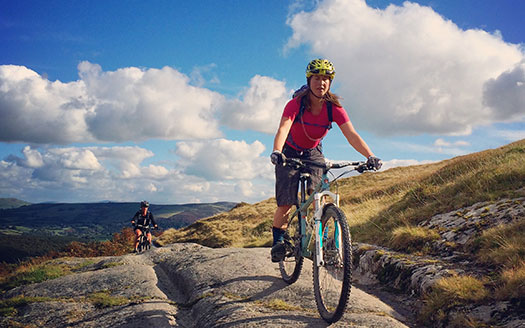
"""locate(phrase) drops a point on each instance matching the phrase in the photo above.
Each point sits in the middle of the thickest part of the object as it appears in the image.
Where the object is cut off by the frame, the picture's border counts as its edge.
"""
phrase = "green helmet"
(320, 67)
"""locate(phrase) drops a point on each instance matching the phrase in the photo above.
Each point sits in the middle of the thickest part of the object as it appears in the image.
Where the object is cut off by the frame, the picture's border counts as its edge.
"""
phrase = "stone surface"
(188, 285)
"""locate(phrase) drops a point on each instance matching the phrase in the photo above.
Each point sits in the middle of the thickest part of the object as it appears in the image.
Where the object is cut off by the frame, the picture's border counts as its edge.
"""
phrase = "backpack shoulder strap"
(301, 111)
(330, 115)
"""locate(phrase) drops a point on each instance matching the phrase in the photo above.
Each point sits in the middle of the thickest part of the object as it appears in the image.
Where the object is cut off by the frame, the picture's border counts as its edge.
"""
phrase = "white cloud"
(245, 188)
(127, 104)
(34, 109)
(402, 162)
(230, 170)
(223, 159)
(510, 135)
(260, 108)
(505, 95)
(442, 143)
(408, 70)
(440, 146)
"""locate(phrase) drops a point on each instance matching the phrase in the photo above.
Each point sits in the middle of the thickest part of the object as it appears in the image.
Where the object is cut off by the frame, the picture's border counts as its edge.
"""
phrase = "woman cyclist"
(299, 136)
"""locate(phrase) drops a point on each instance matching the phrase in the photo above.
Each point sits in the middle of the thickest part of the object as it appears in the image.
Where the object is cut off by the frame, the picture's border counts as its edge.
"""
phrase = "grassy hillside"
(385, 208)
(243, 226)
(378, 204)
(52, 226)
(12, 203)
(97, 220)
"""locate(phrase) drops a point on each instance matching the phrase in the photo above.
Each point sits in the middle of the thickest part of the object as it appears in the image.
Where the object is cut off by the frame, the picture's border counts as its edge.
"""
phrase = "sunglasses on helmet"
(322, 71)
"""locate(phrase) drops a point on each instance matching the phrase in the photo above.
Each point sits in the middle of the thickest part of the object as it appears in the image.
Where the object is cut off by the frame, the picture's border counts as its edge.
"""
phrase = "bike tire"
(292, 263)
(333, 279)
(142, 245)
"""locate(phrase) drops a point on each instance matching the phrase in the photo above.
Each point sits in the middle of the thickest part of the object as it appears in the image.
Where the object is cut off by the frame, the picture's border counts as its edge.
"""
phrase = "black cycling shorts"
(287, 179)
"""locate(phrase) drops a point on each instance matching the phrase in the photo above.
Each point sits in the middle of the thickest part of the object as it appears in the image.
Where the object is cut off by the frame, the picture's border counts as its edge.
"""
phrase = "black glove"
(277, 158)
(374, 163)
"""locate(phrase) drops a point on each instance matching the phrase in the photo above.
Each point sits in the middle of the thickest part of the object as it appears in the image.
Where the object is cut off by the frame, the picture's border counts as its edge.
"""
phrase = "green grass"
(9, 307)
(279, 305)
(103, 299)
(30, 274)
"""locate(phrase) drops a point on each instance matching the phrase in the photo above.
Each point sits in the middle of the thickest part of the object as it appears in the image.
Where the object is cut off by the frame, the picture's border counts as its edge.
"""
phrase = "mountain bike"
(143, 238)
(322, 235)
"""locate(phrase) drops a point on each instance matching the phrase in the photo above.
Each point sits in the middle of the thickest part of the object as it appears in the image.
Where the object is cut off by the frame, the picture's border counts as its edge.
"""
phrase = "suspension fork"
(319, 230)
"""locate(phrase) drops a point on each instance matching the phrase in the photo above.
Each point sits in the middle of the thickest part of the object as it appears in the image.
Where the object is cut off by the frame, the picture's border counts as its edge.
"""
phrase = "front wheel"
(292, 263)
(332, 280)
(142, 243)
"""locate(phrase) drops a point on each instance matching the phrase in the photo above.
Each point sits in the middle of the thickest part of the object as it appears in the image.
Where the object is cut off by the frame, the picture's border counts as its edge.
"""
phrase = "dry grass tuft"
(503, 245)
(513, 283)
(450, 292)
(412, 238)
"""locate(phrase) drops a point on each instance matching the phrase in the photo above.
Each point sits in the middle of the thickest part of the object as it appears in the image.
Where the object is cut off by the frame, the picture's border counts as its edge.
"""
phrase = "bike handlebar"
(299, 163)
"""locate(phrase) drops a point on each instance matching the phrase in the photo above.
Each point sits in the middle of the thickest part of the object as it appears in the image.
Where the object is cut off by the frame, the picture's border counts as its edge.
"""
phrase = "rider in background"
(145, 218)
(300, 135)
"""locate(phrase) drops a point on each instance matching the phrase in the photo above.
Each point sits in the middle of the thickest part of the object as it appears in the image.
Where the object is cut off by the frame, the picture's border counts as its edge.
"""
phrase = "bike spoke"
(332, 278)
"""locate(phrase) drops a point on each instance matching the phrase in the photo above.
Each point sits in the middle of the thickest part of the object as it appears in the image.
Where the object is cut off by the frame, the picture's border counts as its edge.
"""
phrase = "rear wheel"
(292, 264)
(332, 280)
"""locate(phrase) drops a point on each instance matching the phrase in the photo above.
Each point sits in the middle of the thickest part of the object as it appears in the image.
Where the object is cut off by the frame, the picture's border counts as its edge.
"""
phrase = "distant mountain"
(12, 203)
(97, 220)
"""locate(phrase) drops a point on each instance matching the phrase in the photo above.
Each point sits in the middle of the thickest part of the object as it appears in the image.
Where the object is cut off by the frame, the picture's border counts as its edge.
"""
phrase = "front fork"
(319, 205)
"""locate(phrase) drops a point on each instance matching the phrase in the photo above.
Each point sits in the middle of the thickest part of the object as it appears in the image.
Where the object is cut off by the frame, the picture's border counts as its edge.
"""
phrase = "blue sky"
(178, 102)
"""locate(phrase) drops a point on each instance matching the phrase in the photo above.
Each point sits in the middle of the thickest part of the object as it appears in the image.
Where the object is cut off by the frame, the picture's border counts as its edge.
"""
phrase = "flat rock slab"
(188, 285)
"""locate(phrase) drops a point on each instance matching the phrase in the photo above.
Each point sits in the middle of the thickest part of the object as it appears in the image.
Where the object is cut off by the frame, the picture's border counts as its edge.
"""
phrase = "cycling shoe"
(278, 252)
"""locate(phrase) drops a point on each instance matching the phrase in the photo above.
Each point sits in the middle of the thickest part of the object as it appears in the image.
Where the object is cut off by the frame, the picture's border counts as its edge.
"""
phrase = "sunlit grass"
(29, 273)
(450, 292)
(513, 283)
(104, 299)
(385, 208)
(412, 238)
(503, 245)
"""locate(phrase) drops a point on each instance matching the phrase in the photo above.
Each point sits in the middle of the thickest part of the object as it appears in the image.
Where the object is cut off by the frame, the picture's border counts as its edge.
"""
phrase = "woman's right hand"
(277, 158)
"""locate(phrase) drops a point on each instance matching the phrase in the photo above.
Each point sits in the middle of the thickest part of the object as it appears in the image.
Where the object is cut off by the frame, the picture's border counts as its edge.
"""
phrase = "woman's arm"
(282, 133)
(355, 140)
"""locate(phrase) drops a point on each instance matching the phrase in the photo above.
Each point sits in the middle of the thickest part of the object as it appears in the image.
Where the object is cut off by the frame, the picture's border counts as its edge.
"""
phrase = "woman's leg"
(137, 235)
(280, 223)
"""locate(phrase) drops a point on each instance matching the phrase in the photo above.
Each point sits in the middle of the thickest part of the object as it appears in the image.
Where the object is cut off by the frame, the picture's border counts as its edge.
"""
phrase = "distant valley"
(33, 229)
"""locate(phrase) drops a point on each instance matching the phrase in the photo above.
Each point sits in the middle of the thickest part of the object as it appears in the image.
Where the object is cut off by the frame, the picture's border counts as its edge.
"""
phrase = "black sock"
(278, 235)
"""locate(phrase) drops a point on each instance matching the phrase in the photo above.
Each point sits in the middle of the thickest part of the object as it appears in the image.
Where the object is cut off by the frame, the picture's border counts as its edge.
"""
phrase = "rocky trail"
(188, 285)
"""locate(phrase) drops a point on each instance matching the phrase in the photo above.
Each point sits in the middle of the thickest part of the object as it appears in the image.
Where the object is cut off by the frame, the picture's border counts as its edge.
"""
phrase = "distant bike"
(144, 244)
(322, 235)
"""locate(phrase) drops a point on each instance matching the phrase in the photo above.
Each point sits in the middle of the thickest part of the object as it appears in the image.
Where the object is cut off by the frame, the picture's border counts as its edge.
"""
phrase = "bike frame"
(314, 234)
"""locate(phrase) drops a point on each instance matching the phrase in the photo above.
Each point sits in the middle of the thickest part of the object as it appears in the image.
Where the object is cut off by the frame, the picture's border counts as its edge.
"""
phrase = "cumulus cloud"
(442, 143)
(223, 159)
(402, 162)
(259, 108)
(230, 170)
(34, 109)
(128, 104)
(510, 135)
(408, 70)
(505, 95)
